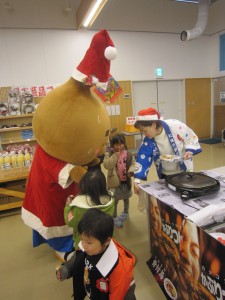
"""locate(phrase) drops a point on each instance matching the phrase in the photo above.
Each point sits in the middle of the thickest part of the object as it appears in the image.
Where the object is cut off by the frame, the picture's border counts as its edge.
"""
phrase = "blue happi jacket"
(182, 139)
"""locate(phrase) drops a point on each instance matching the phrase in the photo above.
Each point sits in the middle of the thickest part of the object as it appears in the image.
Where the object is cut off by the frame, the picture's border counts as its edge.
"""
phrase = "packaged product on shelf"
(4, 109)
(14, 102)
(27, 134)
(27, 103)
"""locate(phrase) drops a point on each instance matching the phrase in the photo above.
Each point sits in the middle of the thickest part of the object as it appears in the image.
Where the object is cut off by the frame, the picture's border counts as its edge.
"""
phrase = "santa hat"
(95, 66)
(148, 114)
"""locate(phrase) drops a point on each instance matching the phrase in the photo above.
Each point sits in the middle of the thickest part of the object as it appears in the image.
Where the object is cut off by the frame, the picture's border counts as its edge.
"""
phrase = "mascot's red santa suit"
(71, 125)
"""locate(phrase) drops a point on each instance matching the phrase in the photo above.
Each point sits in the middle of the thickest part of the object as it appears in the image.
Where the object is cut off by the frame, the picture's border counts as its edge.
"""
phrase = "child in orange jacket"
(103, 269)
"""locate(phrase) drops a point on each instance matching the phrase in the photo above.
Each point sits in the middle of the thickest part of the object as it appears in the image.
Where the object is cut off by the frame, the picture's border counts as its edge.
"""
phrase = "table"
(186, 260)
(10, 176)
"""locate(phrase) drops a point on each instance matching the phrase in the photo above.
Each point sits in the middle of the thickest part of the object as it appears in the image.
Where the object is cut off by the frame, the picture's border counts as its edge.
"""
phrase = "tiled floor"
(29, 273)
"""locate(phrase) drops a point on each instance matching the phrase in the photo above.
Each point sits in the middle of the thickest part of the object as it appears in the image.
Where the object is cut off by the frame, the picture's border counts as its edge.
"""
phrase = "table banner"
(186, 261)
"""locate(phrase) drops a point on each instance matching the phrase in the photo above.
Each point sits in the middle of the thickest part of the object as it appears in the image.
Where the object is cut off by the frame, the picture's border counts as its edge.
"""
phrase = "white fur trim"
(64, 176)
(77, 75)
(147, 118)
(95, 80)
(47, 232)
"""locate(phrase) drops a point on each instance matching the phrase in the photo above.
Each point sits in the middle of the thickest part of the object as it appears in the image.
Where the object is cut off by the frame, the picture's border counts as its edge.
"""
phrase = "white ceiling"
(165, 16)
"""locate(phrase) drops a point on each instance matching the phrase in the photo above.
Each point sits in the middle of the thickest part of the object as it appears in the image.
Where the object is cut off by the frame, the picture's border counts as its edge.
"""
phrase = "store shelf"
(11, 205)
(16, 134)
(18, 141)
(16, 116)
(12, 187)
(13, 181)
(15, 129)
(14, 174)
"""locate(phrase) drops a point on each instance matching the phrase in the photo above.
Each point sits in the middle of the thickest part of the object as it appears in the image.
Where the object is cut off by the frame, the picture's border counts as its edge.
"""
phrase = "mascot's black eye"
(107, 133)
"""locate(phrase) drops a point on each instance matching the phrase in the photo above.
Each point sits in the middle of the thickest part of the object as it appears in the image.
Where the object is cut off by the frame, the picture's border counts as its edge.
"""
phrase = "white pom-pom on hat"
(110, 53)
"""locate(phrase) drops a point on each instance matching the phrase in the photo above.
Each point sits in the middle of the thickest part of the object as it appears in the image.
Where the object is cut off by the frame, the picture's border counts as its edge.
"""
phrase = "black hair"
(118, 139)
(93, 184)
(147, 123)
(95, 223)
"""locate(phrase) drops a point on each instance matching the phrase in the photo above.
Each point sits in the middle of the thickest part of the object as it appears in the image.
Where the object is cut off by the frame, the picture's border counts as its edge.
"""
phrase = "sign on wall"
(222, 96)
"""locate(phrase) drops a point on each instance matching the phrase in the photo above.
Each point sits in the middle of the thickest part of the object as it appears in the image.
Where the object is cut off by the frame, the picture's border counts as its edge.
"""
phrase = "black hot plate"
(192, 184)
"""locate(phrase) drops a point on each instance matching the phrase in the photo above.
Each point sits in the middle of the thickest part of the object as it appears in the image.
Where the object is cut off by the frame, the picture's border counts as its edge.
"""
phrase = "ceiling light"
(194, 1)
(7, 6)
(93, 13)
(188, 1)
(88, 12)
(67, 7)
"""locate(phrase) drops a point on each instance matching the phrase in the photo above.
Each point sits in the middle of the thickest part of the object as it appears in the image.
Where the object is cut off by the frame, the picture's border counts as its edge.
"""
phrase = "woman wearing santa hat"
(169, 137)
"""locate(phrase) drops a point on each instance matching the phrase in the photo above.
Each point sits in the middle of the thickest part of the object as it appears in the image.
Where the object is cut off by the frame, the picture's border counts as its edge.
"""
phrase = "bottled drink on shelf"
(1, 161)
(7, 161)
(20, 159)
(27, 158)
(13, 159)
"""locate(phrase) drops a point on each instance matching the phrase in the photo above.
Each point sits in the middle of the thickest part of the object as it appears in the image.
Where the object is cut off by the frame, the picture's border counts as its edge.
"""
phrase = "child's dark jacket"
(109, 278)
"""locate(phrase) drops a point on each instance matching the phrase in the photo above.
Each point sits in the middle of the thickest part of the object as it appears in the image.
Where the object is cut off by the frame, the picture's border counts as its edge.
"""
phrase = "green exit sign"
(159, 72)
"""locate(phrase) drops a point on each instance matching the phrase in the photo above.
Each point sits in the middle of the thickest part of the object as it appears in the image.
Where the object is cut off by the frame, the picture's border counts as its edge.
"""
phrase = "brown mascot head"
(71, 123)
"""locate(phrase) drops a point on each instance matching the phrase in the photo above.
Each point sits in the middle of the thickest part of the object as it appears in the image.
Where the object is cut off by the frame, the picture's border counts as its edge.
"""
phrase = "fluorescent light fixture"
(188, 1)
(7, 5)
(193, 1)
(95, 10)
(88, 12)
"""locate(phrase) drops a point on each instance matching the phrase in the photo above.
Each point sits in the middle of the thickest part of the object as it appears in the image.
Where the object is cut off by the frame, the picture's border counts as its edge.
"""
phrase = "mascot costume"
(71, 126)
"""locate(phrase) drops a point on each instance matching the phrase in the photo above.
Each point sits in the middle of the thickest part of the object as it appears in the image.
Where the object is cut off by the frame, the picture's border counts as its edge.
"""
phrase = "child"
(103, 269)
(117, 162)
(93, 193)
